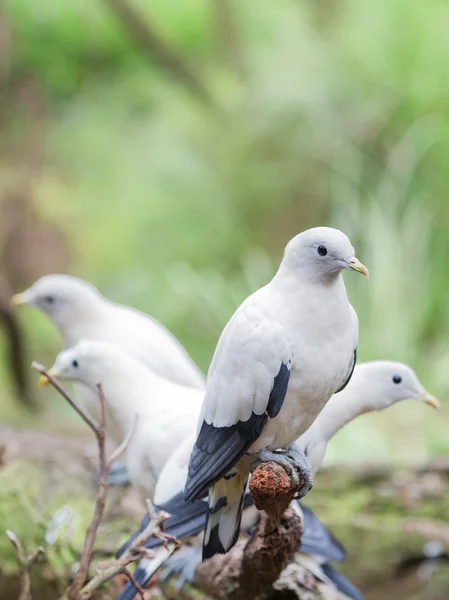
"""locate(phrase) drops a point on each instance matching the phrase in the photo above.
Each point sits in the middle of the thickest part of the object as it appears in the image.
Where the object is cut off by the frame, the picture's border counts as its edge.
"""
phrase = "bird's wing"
(247, 384)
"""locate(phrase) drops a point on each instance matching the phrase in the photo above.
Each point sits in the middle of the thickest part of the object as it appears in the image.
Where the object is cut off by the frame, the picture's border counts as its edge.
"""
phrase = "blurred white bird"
(286, 350)
(81, 312)
(375, 385)
(166, 412)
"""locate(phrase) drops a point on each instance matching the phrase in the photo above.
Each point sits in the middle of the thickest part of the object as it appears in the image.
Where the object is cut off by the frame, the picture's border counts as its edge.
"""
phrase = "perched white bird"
(375, 385)
(81, 312)
(166, 412)
(287, 349)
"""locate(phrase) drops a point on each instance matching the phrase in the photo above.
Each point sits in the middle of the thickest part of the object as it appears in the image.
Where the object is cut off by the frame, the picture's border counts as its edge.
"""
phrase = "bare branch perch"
(249, 570)
(25, 564)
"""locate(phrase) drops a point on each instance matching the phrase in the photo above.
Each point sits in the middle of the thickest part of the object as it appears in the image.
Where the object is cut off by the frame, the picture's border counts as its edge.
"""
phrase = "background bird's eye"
(75, 364)
(49, 299)
(322, 250)
(397, 379)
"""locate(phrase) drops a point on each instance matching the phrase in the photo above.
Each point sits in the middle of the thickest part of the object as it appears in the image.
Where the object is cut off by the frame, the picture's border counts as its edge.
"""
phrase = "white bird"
(286, 350)
(81, 312)
(166, 412)
(374, 386)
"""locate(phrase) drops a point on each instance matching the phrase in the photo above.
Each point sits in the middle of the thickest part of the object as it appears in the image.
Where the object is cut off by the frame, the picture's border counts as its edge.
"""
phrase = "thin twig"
(228, 34)
(132, 579)
(132, 552)
(124, 445)
(100, 503)
(79, 590)
(159, 51)
(25, 564)
(55, 383)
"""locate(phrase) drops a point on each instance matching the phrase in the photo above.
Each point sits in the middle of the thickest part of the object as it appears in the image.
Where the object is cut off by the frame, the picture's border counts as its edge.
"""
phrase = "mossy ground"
(381, 516)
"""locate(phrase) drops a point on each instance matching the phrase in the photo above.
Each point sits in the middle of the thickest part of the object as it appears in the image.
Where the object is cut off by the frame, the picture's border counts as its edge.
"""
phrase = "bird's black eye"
(397, 379)
(75, 364)
(49, 299)
(322, 250)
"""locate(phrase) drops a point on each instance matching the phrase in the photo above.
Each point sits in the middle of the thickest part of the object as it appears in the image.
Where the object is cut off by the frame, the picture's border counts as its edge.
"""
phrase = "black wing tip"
(341, 582)
(213, 546)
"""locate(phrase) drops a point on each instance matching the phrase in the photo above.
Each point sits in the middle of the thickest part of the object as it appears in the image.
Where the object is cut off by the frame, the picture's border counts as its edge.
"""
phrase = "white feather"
(166, 412)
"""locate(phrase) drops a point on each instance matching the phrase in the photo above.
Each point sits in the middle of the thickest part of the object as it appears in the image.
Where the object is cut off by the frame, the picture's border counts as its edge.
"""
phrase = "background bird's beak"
(18, 300)
(43, 381)
(356, 265)
(430, 400)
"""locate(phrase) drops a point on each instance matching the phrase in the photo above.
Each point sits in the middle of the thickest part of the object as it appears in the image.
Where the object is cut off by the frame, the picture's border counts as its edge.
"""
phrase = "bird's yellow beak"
(18, 300)
(43, 381)
(430, 400)
(356, 265)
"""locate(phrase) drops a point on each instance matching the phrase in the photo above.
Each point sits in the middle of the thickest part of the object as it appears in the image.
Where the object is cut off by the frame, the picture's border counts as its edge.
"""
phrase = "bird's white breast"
(319, 369)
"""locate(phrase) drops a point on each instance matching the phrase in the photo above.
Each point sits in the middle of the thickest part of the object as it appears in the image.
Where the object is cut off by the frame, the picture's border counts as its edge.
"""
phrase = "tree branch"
(79, 590)
(228, 35)
(100, 503)
(130, 576)
(124, 445)
(249, 570)
(133, 553)
(72, 593)
(158, 50)
(25, 564)
(55, 383)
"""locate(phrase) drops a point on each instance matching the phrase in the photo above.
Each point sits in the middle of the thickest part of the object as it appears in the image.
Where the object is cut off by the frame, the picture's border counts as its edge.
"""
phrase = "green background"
(319, 113)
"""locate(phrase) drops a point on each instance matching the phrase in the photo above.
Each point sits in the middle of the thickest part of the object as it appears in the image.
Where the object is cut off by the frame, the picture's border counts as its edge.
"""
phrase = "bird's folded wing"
(247, 384)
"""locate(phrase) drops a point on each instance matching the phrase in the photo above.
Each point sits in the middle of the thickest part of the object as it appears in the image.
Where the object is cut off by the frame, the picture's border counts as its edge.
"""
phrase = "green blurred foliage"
(328, 113)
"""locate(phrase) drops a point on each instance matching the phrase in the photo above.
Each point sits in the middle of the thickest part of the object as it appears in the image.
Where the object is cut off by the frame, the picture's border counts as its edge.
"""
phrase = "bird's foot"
(182, 565)
(293, 460)
(302, 464)
(118, 474)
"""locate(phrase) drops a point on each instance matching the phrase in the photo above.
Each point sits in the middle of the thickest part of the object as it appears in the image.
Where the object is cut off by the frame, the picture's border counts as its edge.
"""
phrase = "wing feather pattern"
(218, 449)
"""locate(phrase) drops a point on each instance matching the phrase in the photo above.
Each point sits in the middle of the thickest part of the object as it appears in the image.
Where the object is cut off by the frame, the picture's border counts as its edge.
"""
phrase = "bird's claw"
(302, 464)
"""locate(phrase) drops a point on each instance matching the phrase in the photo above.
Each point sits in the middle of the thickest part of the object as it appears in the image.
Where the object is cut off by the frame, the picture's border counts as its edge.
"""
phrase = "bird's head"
(85, 363)
(61, 297)
(387, 382)
(322, 252)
